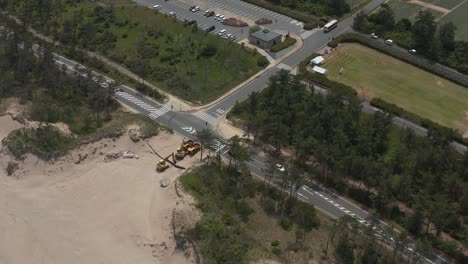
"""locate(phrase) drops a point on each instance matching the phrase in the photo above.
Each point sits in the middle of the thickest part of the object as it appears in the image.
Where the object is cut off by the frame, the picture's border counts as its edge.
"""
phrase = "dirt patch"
(94, 211)
(428, 5)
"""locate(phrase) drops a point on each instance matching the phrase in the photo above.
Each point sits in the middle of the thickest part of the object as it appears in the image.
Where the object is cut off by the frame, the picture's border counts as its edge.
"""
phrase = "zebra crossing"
(284, 67)
(219, 146)
(154, 113)
(206, 117)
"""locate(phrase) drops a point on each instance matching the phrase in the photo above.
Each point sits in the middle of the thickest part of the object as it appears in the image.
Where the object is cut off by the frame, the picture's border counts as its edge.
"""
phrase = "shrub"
(262, 61)
(276, 251)
(11, 167)
(283, 45)
(286, 224)
(243, 210)
(275, 243)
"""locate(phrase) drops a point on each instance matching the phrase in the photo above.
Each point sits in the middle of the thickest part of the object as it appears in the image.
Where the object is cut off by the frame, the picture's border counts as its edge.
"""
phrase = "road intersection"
(187, 124)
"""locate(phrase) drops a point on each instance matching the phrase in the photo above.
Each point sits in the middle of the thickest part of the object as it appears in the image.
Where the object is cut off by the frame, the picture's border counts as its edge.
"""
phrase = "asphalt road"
(187, 124)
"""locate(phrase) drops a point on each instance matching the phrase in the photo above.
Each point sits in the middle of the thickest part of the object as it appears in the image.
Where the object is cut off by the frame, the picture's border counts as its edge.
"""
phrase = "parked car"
(190, 21)
(216, 17)
(412, 51)
(221, 18)
(222, 32)
(209, 13)
(280, 167)
(231, 37)
(172, 14)
(196, 9)
(389, 42)
(192, 8)
(374, 36)
(210, 28)
(157, 7)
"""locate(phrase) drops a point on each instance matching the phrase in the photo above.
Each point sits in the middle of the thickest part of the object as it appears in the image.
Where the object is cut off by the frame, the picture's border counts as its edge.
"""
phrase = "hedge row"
(327, 83)
(308, 20)
(283, 45)
(416, 119)
(411, 59)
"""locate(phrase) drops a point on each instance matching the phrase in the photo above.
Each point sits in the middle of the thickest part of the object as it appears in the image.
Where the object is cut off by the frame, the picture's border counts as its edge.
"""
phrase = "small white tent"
(317, 60)
(320, 70)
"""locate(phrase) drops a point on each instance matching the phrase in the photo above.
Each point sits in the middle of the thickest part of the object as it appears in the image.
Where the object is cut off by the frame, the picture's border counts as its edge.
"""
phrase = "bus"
(330, 25)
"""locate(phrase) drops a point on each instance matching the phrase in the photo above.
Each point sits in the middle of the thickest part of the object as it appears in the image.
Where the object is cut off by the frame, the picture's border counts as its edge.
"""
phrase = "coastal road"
(187, 124)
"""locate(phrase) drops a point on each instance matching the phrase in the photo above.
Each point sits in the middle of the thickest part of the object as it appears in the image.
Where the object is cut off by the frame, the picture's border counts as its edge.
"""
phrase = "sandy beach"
(94, 211)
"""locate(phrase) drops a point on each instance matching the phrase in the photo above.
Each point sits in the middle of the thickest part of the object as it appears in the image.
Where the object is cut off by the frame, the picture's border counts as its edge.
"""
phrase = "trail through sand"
(92, 212)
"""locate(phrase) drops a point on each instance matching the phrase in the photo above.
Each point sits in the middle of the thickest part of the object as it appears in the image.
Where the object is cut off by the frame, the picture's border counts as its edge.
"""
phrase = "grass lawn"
(375, 74)
(458, 17)
(185, 61)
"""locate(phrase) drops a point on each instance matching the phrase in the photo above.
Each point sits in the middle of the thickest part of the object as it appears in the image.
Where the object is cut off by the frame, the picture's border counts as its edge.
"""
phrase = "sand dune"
(92, 212)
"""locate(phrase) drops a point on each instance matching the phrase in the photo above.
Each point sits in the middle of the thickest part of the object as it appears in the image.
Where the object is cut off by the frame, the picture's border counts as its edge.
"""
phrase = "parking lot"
(242, 9)
(182, 12)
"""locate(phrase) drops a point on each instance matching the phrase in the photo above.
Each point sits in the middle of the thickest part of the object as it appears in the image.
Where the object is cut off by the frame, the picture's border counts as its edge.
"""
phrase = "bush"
(46, 142)
(276, 251)
(283, 45)
(243, 210)
(286, 224)
(275, 243)
(262, 61)
(144, 89)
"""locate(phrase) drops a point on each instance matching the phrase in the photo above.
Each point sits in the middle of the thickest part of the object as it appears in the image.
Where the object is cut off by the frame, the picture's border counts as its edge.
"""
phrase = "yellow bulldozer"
(162, 164)
(190, 146)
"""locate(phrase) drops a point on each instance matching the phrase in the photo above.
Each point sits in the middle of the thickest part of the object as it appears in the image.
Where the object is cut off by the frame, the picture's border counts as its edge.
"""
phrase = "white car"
(216, 17)
(172, 14)
(389, 42)
(374, 36)
(222, 32)
(280, 167)
(412, 51)
(196, 9)
(157, 7)
(221, 18)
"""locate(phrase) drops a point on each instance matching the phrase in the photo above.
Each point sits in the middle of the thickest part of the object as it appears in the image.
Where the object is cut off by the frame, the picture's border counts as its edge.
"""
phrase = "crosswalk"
(206, 117)
(220, 147)
(154, 113)
(284, 67)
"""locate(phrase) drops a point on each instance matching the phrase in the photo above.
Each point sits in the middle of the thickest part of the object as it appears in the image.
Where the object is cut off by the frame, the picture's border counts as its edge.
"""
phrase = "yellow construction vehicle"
(162, 165)
(187, 143)
(180, 154)
(194, 148)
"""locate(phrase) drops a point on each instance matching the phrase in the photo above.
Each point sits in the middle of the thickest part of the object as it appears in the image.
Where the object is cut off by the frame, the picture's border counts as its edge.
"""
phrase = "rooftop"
(265, 35)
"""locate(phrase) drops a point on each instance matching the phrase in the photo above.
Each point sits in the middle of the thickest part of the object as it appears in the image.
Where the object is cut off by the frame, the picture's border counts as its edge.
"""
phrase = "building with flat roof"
(265, 38)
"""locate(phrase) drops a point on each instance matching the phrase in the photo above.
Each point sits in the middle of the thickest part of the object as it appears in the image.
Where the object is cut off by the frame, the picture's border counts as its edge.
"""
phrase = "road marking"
(191, 130)
(206, 117)
(307, 34)
(284, 67)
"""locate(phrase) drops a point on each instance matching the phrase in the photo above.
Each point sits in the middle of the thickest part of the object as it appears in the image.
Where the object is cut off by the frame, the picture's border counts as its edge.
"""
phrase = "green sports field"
(457, 11)
(375, 74)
